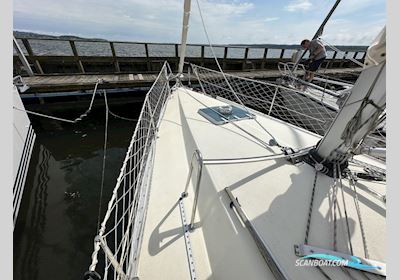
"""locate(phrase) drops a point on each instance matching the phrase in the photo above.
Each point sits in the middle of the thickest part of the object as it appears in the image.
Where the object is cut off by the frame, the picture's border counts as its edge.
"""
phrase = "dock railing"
(81, 56)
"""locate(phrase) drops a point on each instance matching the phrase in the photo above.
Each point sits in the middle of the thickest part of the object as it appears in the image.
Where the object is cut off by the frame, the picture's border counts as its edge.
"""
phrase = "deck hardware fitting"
(263, 248)
(188, 244)
(199, 159)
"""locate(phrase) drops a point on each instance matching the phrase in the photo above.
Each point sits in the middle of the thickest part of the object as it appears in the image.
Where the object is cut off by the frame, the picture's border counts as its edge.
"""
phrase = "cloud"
(271, 19)
(298, 6)
(121, 20)
(354, 6)
(215, 8)
(347, 32)
(227, 21)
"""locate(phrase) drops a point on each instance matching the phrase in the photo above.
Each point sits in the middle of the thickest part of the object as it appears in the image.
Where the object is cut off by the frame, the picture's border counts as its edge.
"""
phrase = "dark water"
(53, 238)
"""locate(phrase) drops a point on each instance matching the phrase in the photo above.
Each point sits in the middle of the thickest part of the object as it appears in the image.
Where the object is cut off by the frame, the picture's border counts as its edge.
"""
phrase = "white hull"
(23, 141)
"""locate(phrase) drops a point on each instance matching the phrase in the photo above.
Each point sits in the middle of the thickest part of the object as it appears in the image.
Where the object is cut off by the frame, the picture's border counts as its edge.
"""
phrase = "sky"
(355, 22)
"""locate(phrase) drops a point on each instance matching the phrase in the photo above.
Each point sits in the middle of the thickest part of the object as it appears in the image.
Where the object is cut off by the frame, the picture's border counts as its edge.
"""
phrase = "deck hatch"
(222, 114)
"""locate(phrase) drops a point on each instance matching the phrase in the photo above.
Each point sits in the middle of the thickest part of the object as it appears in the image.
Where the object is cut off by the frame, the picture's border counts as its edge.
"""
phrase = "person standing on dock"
(317, 56)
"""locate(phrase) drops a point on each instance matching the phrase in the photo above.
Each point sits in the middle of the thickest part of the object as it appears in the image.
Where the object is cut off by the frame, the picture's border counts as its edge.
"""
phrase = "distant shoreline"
(33, 35)
(24, 34)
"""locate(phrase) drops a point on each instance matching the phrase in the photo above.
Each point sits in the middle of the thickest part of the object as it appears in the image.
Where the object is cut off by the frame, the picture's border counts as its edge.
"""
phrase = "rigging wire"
(338, 50)
(223, 74)
(355, 124)
(263, 143)
(345, 209)
(336, 207)
(310, 210)
(308, 226)
(357, 206)
(104, 160)
(335, 204)
(335, 189)
(338, 179)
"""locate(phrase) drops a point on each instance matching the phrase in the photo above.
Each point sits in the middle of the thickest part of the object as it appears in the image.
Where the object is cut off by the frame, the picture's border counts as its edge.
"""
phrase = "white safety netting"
(282, 102)
(278, 101)
(377, 138)
(119, 235)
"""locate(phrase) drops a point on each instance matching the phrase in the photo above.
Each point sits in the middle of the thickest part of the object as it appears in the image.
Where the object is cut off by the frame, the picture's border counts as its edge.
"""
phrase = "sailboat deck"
(275, 195)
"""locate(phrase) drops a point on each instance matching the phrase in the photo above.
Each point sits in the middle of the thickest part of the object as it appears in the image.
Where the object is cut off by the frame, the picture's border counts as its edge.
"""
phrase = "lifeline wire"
(104, 160)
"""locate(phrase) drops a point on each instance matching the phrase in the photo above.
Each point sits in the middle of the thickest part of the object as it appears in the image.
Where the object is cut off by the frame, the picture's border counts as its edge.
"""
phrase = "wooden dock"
(58, 56)
(62, 66)
(77, 82)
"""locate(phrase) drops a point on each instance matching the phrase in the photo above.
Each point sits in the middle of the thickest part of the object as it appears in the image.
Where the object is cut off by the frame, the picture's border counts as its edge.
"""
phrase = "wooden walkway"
(77, 82)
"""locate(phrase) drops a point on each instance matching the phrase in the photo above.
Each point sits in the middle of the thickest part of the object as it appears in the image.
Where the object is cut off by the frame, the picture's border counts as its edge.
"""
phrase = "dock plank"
(54, 83)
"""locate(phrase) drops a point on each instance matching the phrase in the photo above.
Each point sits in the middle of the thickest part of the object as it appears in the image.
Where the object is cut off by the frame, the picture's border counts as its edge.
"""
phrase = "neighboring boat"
(226, 183)
(23, 142)
(323, 89)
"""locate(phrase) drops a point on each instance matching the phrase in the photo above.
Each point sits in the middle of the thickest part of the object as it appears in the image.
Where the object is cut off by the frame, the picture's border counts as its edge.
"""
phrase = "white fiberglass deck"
(275, 194)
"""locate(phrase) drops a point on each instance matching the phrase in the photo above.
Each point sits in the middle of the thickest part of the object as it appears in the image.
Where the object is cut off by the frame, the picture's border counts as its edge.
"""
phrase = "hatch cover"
(223, 114)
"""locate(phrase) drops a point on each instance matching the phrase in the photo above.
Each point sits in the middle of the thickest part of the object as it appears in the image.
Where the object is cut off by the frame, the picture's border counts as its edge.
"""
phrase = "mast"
(361, 110)
(185, 28)
(322, 26)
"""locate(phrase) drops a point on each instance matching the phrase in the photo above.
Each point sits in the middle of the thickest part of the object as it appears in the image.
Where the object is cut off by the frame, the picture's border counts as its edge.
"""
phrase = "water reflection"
(53, 237)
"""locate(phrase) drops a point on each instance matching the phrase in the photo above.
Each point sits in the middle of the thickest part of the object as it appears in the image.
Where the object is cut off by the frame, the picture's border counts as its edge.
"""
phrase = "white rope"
(108, 111)
(120, 117)
(43, 115)
(82, 116)
(67, 120)
(62, 119)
